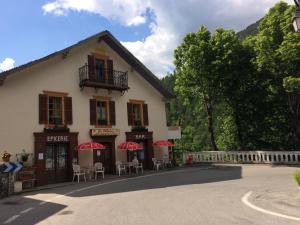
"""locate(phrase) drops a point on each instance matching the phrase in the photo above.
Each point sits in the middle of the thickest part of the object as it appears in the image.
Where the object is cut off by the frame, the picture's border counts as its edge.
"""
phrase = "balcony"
(103, 78)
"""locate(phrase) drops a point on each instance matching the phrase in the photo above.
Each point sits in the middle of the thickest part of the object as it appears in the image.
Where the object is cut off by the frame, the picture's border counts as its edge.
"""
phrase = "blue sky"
(27, 33)
(150, 29)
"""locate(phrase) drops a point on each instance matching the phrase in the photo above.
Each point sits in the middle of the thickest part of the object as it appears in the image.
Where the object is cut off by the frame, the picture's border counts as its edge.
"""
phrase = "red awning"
(90, 145)
(163, 143)
(130, 146)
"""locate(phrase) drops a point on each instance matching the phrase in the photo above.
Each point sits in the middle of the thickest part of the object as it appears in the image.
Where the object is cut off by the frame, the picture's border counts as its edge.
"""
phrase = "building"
(95, 90)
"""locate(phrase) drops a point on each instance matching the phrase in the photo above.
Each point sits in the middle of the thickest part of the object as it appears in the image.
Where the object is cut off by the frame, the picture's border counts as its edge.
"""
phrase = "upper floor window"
(102, 112)
(137, 113)
(55, 108)
(100, 68)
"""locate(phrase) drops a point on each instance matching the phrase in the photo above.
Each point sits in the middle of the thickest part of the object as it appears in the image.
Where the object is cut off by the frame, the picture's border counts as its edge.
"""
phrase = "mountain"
(250, 30)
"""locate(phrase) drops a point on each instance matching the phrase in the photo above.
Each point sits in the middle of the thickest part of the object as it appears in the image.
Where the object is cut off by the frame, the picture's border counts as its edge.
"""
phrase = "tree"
(194, 74)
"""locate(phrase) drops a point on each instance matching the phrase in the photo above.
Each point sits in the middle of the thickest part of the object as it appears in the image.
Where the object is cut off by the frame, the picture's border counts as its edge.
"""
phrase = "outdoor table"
(129, 165)
(88, 172)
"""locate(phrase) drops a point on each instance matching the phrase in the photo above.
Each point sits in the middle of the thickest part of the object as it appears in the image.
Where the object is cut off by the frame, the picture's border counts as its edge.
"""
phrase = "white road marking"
(246, 202)
(11, 219)
(27, 210)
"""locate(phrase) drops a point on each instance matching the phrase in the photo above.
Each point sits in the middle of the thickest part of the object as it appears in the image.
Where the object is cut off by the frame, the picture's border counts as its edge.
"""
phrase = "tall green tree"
(194, 74)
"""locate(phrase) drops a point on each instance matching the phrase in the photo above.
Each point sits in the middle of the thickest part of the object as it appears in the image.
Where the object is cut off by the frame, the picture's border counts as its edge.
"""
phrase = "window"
(137, 113)
(102, 112)
(55, 110)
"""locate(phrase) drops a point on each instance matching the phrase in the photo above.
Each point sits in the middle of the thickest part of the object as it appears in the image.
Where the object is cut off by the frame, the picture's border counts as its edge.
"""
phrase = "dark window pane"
(102, 117)
(55, 110)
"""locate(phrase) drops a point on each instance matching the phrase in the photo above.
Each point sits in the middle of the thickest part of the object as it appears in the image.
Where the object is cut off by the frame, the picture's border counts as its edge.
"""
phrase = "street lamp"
(296, 20)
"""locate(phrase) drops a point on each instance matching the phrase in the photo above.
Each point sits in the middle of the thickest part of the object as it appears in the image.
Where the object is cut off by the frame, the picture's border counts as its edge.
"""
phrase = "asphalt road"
(187, 196)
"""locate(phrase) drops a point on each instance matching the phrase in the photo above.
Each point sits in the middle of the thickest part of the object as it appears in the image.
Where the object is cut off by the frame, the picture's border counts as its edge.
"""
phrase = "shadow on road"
(180, 178)
(16, 205)
(24, 210)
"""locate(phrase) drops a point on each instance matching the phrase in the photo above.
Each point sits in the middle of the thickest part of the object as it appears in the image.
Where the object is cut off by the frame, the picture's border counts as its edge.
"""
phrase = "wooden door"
(140, 155)
(56, 162)
(105, 156)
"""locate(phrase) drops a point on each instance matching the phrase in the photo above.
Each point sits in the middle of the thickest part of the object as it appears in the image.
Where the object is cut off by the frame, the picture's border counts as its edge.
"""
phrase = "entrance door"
(105, 157)
(56, 162)
(140, 155)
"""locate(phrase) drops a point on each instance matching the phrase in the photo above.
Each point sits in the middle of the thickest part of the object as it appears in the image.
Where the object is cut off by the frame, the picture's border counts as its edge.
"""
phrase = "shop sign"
(105, 132)
(57, 138)
(140, 136)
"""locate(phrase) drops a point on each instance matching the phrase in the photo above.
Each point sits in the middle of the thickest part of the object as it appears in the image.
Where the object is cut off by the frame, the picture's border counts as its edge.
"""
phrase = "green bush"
(297, 176)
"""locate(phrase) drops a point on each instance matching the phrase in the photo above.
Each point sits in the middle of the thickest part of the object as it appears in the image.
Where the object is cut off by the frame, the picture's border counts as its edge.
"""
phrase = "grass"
(297, 176)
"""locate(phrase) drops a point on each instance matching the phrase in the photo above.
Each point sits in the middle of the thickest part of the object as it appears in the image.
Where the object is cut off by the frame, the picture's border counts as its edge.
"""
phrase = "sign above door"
(104, 132)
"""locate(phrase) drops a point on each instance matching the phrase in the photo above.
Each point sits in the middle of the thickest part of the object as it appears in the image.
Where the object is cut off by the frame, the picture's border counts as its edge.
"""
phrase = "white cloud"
(7, 64)
(126, 12)
(171, 21)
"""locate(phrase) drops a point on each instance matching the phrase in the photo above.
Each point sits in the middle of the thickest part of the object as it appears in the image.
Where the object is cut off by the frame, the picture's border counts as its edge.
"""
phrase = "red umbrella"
(90, 145)
(130, 146)
(163, 143)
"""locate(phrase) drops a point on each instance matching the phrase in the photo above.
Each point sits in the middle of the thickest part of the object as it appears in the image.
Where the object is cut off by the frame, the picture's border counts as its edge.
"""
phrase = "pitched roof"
(116, 46)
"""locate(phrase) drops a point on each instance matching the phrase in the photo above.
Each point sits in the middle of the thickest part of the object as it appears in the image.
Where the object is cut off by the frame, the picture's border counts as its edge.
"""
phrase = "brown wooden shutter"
(130, 114)
(93, 114)
(145, 114)
(112, 113)
(68, 110)
(91, 67)
(43, 109)
(110, 71)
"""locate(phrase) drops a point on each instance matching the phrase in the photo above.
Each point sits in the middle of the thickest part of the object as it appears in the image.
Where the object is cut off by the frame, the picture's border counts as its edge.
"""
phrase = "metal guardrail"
(258, 157)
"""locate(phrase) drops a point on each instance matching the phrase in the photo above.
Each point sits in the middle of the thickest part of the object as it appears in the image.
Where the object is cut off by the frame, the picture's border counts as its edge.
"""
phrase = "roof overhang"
(109, 39)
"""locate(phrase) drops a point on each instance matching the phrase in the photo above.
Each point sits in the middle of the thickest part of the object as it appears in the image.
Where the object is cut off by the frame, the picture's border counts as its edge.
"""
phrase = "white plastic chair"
(77, 171)
(156, 164)
(120, 167)
(137, 165)
(98, 168)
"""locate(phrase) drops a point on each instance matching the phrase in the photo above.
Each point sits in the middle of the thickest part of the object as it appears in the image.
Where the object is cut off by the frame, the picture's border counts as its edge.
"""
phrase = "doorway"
(105, 157)
(100, 70)
(140, 154)
(56, 160)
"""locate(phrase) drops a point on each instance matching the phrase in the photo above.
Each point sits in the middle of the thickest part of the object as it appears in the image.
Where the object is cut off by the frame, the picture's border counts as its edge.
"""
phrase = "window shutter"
(91, 67)
(112, 113)
(43, 109)
(110, 71)
(68, 110)
(93, 114)
(130, 114)
(145, 114)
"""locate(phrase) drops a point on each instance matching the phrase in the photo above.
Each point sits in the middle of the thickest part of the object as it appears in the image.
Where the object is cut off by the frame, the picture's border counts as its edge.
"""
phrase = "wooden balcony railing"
(103, 78)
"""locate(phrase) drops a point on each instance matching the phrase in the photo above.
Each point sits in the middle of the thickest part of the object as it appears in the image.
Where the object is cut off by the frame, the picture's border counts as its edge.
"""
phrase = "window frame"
(104, 58)
(106, 100)
(61, 95)
(140, 103)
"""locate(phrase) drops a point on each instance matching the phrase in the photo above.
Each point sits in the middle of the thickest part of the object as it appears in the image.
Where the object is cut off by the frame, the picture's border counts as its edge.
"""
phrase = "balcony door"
(100, 70)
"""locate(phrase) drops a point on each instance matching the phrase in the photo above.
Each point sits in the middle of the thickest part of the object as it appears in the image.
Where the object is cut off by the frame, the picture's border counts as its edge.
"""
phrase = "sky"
(150, 29)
